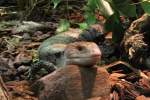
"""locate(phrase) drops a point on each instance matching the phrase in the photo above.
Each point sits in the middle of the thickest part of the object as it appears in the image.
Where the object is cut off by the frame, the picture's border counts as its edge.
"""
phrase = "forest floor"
(130, 80)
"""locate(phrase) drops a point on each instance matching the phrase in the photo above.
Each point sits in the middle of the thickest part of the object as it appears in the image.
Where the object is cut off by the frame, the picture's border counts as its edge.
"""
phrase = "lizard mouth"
(85, 56)
(94, 57)
(84, 61)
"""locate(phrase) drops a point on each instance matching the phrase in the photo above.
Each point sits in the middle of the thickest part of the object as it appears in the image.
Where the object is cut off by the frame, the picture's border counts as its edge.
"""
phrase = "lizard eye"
(80, 48)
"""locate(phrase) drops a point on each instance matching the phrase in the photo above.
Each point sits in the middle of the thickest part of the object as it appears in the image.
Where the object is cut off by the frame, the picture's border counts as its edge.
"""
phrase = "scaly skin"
(52, 49)
(82, 54)
(51, 52)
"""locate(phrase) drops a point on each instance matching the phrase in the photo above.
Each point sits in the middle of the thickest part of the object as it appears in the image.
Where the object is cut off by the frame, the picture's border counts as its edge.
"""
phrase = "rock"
(73, 83)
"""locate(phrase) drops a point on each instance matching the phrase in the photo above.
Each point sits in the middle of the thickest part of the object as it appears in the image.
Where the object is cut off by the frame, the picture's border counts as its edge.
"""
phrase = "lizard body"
(79, 76)
(80, 53)
(52, 49)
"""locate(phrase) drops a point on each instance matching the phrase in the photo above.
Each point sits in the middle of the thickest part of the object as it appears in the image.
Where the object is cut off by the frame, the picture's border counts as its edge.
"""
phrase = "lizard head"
(82, 53)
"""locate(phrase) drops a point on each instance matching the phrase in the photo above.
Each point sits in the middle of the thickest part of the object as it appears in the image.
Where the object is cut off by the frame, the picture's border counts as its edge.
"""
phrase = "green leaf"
(89, 13)
(105, 8)
(114, 25)
(146, 6)
(83, 26)
(90, 18)
(125, 7)
(56, 2)
(91, 4)
(101, 5)
(63, 26)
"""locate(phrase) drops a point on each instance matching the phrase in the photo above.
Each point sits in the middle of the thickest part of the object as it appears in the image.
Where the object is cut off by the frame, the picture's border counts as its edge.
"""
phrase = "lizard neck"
(62, 61)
